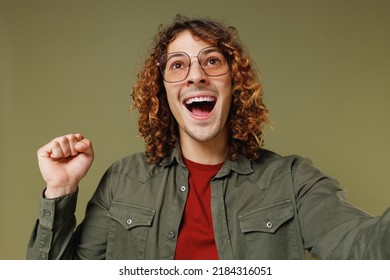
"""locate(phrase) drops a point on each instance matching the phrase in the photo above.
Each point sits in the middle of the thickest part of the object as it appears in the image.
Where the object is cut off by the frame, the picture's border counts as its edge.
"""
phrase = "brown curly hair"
(248, 114)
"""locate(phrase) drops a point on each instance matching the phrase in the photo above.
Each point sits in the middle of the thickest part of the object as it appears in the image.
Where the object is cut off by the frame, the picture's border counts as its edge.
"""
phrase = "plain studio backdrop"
(68, 66)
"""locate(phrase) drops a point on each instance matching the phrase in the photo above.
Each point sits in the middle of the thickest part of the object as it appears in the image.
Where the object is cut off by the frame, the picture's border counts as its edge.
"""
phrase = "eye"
(177, 65)
(177, 62)
(213, 61)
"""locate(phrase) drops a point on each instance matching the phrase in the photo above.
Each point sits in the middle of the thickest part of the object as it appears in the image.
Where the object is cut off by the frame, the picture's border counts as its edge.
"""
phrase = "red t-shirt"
(196, 236)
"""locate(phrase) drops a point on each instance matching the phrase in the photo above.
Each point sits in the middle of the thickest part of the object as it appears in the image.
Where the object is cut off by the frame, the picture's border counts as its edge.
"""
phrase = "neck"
(211, 152)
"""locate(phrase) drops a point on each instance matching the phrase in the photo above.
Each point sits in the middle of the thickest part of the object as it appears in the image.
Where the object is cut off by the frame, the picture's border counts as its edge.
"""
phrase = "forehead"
(187, 42)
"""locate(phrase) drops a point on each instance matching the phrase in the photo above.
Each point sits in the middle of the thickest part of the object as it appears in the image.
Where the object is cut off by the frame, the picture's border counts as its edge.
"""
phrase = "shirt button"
(183, 188)
(171, 234)
(129, 221)
(47, 213)
(269, 224)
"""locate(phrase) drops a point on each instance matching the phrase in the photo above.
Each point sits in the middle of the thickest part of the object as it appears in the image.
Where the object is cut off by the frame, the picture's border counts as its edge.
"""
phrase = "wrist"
(50, 193)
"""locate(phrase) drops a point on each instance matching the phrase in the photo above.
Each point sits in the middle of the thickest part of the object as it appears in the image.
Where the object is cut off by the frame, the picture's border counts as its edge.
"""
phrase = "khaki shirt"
(273, 208)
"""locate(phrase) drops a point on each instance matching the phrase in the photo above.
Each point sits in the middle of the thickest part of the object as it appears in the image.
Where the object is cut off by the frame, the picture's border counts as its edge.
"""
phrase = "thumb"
(84, 146)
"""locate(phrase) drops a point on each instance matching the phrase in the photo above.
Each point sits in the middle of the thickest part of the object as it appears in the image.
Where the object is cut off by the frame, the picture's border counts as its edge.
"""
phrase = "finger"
(73, 140)
(84, 146)
(79, 136)
(65, 146)
(64, 143)
(45, 151)
(56, 151)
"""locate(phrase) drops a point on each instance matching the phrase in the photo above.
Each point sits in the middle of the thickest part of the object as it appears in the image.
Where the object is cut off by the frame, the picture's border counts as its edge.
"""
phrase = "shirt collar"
(241, 165)
(175, 156)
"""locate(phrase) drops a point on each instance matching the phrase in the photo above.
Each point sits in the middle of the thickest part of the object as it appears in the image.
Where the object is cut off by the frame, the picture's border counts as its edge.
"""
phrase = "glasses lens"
(174, 66)
(214, 62)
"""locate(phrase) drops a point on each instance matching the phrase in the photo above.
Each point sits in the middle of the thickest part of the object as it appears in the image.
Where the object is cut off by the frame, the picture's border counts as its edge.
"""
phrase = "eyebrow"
(208, 49)
(175, 54)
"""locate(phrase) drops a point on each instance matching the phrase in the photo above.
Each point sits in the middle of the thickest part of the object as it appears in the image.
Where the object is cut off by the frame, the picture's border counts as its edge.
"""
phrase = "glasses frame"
(226, 54)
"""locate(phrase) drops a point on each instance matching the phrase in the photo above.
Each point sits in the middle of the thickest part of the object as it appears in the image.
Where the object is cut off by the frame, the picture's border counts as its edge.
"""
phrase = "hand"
(64, 162)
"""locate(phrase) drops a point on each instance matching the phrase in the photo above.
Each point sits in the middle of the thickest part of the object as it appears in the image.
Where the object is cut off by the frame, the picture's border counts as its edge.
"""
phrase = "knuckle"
(59, 140)
(72, 138)
(55, 143)
(79, 136)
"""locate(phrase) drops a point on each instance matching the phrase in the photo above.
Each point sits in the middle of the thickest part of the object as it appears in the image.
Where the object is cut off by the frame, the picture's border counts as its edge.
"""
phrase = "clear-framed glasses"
(174, 67)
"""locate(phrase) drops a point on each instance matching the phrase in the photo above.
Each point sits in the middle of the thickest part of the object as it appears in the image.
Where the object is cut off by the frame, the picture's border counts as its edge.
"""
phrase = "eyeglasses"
(175, 67)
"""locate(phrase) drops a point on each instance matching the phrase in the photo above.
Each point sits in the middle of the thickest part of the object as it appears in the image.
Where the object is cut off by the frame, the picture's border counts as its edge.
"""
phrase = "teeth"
(199, 99)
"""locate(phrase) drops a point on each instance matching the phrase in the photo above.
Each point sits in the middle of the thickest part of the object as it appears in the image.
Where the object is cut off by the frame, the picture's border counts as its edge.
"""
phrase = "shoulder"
(273, 166)
(135, 167)
(272, 159)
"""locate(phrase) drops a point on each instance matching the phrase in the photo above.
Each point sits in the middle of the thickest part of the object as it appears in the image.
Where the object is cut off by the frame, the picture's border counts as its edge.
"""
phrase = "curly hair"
(248, 113)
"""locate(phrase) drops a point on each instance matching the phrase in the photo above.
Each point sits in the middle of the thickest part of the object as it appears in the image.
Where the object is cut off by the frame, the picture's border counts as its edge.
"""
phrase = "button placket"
(171, 234)
(47, 212)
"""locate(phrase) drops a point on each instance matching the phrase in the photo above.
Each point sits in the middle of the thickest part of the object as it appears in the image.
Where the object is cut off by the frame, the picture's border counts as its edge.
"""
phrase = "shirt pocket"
(268, 231)
(129, 230)
(266, 219)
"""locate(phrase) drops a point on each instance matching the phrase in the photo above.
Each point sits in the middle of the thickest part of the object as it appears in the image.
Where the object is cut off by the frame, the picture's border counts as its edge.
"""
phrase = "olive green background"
(68, 66)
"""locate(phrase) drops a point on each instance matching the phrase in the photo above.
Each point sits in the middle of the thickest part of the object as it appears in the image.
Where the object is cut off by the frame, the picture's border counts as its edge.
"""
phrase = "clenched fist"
(64, 162)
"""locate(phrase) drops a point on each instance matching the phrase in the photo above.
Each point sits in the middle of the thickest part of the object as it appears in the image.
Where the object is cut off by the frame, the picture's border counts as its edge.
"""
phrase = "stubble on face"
(200, 120)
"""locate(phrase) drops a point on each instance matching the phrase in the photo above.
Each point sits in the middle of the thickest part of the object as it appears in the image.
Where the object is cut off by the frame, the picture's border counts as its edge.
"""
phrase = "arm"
(332, 228)
(63, 163)
(52, 235)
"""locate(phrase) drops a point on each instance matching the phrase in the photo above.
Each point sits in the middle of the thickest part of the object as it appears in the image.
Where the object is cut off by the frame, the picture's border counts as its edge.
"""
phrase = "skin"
(65, 160)
(203, 137)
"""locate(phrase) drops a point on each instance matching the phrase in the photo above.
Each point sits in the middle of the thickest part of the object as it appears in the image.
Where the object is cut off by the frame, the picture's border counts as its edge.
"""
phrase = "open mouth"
(200, 106)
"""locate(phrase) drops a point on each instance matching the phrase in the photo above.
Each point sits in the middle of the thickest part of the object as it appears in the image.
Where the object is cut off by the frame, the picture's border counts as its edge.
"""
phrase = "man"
(204, 188)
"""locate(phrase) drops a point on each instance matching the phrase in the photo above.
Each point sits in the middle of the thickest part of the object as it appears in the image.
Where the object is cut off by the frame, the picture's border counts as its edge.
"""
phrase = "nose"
(196, 73)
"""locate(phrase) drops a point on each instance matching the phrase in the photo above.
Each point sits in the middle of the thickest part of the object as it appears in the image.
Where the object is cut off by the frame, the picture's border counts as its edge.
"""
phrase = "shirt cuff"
(57, 210)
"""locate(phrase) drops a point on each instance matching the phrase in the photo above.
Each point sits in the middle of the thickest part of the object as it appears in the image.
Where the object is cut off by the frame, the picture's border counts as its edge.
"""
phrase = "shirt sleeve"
(53, 230)
(331, 227)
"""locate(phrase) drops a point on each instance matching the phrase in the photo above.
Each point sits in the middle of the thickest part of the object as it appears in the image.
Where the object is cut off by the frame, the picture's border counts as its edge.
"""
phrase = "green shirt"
(273, 208)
